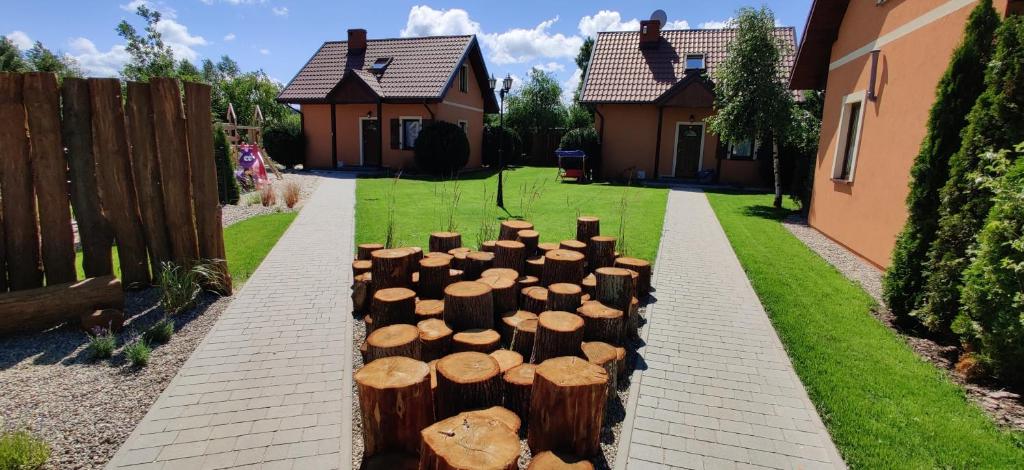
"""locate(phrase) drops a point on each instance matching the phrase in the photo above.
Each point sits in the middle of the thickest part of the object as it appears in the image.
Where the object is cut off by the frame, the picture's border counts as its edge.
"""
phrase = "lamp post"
(506, 85)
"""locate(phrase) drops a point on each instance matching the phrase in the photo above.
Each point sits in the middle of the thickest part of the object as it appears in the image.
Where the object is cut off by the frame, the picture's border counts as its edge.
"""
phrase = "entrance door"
(689, 142)
(369, 133)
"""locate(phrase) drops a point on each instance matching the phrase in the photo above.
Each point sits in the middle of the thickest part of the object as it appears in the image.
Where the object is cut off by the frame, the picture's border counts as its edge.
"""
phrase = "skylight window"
(695, 62)
(380, 64)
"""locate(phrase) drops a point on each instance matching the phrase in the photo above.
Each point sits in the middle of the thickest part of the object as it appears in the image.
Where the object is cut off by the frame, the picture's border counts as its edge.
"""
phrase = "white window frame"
(401, 130)
(675, 145)
(843, 136)
(360, 130)
(464, 78)
(464, 124)
(703, 61)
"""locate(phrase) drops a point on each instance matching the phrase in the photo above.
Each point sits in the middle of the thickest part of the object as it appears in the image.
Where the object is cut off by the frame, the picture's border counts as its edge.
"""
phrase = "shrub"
(101, 343)
(579, 117)
(959, 88)
(284, 141)
(512, 145)
(161, 332)
(291, 191)
(267, 195)
(253, 198)
(584, 139)
(227, 185)
(138, 353)
(19, 450)
(442, 148)
(180, 286)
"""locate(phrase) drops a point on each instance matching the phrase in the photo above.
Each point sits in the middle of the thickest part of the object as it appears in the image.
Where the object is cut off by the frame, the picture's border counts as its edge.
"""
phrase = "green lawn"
(884, 407)
(246, 243)
(421, 207)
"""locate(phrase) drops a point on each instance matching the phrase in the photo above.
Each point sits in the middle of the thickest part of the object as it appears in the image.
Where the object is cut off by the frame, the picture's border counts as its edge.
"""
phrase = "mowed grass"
(421, 206)
(883, 405)
(246, 243)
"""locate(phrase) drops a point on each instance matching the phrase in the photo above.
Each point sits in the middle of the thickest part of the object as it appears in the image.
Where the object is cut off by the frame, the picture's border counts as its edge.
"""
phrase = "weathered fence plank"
(114, 175)
(50, 174)
(146, 169)
(209, 225)
(93, 230)
(21, 234)
(172, 152)
(3, 253)
(36, 309)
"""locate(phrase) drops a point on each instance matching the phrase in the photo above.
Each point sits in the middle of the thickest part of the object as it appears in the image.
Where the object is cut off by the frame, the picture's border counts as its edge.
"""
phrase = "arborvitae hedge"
(958, 89)
(227, 186)
(442, 148)
(995, 122)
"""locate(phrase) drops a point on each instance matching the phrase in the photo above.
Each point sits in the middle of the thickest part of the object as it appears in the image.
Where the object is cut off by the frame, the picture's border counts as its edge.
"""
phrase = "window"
(743, 150)
(695, 62)
(464, 126)
(464, 79)
(410, 131)
(850, 124)
(380, 64)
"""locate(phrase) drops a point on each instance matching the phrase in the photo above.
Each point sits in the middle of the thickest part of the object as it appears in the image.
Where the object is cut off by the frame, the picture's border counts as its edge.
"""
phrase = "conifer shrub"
(227, 186)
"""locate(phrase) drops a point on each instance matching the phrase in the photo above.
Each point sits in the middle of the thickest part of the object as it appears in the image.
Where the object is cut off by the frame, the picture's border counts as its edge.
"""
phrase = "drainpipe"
(657, 144)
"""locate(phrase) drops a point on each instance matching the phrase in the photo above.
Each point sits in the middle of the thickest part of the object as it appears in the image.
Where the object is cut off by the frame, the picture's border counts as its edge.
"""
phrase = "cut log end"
(393, 340)
(548, 460)
(470, 441)
(507, 359)
(479, 340)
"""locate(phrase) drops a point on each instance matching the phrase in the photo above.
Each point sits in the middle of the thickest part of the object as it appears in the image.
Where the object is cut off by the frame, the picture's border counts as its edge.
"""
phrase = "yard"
(883, 405)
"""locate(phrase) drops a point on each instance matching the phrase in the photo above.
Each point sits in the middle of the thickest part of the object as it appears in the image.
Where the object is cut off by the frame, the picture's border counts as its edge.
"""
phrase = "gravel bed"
(1004, 406)
(234, 213)
(86, 409)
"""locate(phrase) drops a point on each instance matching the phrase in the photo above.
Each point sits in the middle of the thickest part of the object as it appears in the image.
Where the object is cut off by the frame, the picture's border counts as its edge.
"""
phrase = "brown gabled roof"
(811, 68)
(621, 72)
(421, 69)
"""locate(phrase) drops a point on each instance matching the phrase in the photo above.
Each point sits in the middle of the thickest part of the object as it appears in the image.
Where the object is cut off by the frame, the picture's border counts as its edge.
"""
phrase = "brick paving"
(270, 385)
(718, 390)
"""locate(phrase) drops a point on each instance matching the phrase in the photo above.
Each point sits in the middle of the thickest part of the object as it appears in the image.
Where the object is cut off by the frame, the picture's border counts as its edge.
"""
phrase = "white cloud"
(229, 37)
(280, 11)
(726, 23)
(20, 39)
(265, 51)
(176, 36)
(609, 20)
(522, 45)
(677, 24)
(569, 86)
(96, 63)
(133, 5)
(550, 67)
(426, 21)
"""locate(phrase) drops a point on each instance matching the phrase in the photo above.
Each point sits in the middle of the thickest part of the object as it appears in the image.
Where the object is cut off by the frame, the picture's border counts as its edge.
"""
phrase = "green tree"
(996, 122)
(958, 89)
(248, 90)
(537, 106)
(582, 62)
(41, 59)
(800, 150)
(150, 56)
(10, 57)
(187, 71)
(578, 117)
(227, 186)
(752, 101)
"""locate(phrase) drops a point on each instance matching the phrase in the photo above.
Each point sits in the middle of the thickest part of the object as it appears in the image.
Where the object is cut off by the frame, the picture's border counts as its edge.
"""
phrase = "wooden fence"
(137, 170)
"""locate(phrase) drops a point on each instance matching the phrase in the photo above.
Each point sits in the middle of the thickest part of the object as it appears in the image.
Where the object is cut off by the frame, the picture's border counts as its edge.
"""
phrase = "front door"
(369, 132)
(689, 140)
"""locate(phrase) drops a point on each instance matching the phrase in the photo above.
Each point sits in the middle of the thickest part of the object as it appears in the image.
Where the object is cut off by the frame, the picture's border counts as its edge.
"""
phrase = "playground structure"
(247, 146)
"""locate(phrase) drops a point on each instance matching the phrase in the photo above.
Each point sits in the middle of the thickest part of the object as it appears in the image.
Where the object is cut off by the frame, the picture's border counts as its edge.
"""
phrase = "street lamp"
(506, 85)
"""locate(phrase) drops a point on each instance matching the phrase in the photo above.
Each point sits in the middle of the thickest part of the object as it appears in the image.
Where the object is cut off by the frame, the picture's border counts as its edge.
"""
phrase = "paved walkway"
(718, 390)
(269, 387)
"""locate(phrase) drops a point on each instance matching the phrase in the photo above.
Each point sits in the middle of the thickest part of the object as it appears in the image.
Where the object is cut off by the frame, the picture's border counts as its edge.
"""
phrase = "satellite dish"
(660, 17)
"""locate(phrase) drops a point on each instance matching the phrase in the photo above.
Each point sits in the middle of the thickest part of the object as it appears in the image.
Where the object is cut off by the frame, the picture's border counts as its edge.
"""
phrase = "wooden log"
(605, 356)
(544, 248)
(205, 201)
(415, 254)
(360, 266)
(589, 285)
(622, 367)
(601, 252)
(368, 322)
(564, 297)
(468, 305)
(44, 307)
(500, 272)
(535, 299)
(429, 308)
(509, 322)
(434, 277)
(394, 340)
(459, 258)
(548, 460)
(563, 266)
(3, 254)
(476, 263)
(503, 289)
(114, 178)
(146, 171)
(469, 441)
(518, 383)
(632, 321)
(488, 246)
(587, 227)
(575, 428)
(391, 267)
(524, 337)
(435, 339)
(602, 322)
(435, 254)
(573, 245)
(478, 340)
(510, 229)
(642, 267)
(93, 232)
(530, 239)
(558, 334)
(507, 359)
(614, 287)
(21, 229)
(361, 293)
(175, 169)
(509, 254)
(500, 413)
(454, 275)
(393, 306)
(395, 404)
(524, 282)
(363, 250)
(393, 461)
(467, 381)
(444, 241)
(534, 266)
(50, 177)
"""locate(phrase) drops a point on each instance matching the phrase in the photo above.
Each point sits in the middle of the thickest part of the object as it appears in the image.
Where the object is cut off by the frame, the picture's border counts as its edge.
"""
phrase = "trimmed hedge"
(227, 185)
(513, 145)
(284, 142)
(584, 139)
(442, 148)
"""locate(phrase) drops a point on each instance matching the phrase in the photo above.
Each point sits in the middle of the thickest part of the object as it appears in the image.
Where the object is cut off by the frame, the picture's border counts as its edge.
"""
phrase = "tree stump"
(601, 252)
(437, 254)
(506, 297)
(564, 297)
(360, 266)
(362, 288)
(391, 268)
(488, 246)
(562, 266)
(395, 403)
(534, 266)
(459, 257)
(529, 239)
(429, 308)
(501, 272)
(393, 306)
(605, 356)
(614, 287)
(544, 248)
(510, 229)
(518, 383)
(469, 441)
(602, 322)
(434, 277)
(468, 305)
(574, 245)
(502, 414)
(524, 337)
(394, 340)
(507, 359)
(454, 275)
(524, 282)
(632, 321)
(535, 299)
(435, 339)
(466, 381)
(509, 254)
(643, 268)
(478, 340)
(368, 322)
(558, 334)
(392, 461)
(575, 427)
(476, 263)
(548, 460)
(509, 323)
(364, 250)
(444, 241)
(589, 285)
(416, 253)
(621, 367)
(587, 227)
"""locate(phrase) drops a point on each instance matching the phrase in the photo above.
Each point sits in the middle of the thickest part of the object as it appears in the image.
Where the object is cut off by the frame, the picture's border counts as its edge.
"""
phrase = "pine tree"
(996, 122)
(958, 89)
(227, 187)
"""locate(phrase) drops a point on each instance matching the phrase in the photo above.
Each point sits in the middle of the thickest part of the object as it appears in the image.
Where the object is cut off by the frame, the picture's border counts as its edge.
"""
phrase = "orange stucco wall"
(867, 213)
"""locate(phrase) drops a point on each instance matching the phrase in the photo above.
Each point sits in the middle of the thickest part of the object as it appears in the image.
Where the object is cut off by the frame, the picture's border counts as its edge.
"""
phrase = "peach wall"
(316, 119)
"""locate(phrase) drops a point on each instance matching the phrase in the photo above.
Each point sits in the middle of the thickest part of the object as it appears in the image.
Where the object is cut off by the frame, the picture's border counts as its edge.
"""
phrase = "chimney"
(650, 34)
(356, 41)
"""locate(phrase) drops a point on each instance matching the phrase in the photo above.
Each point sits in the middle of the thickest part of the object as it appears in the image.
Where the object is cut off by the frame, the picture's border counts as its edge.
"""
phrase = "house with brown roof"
(652, 94)
(879, 63)
(349, 88)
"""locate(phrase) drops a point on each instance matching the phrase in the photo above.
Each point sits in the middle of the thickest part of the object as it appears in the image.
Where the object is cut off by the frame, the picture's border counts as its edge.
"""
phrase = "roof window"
(380, 64)
(695, 62)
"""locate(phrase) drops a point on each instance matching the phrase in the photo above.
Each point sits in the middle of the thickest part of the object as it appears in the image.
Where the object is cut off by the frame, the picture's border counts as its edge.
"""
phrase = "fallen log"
(43, 307)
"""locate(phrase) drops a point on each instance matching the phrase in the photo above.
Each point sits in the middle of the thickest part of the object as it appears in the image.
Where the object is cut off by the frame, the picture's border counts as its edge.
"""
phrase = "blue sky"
(278, 36)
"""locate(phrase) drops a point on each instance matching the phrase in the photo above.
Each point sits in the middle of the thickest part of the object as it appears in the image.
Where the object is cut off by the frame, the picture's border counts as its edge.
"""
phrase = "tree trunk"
(574, 245)
(469, 441)
(632, 321)
(544, 248)
(392, 306)
(563, 266)
(362, 288)
(522, 283)
(391, 268)
(534, 266)
(434, 277)
(548, 460)
(589, 285)
(601, 252)
(587, 227)
(395, 404)
(360, 266)
(43, 307)
(468, 305)
(488, 246)
(429, 308)
(506, 297)
(476, 340)
(535, 299)
(394, 340)
(518, 384)
(507, 359)
(509, 322)
(466, 381)
(509, 254)
(510, 229)
(777, 172)
(576, 427)
(602, 323)
(435, 339)
(363, 250)
(605, 356)
(622, 367)
(564, 297)
(476, 263)
(558, 334)
(530, 239)
(368, 323)
(642, 268)
(524, 337)
(614, 287)
(444, 241)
